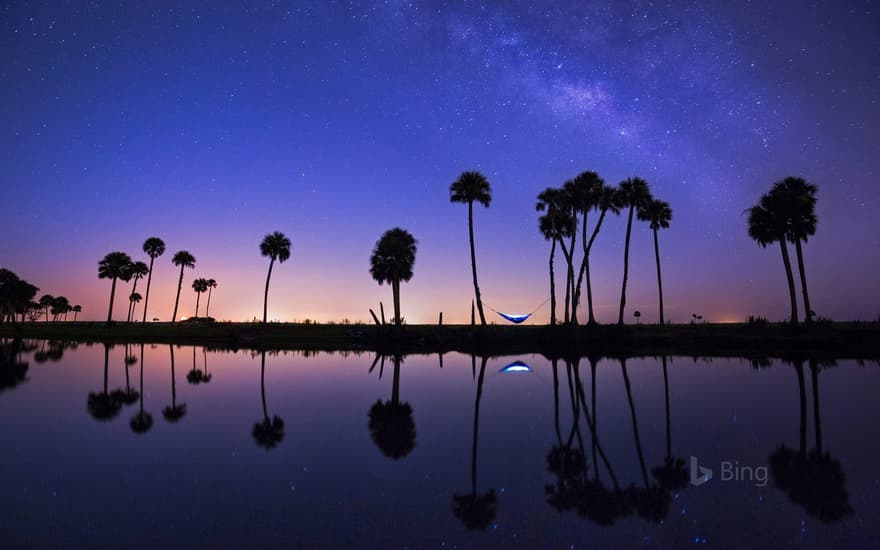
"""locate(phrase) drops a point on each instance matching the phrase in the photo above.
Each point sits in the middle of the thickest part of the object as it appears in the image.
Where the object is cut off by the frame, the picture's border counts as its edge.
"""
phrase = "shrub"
(757, 321)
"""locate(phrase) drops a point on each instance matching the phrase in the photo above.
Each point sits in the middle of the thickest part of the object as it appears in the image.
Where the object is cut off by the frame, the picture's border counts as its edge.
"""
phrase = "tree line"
(17, 299)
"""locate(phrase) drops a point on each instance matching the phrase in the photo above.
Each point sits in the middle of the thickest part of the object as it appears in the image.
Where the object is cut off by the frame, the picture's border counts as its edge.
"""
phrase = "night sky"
(210, 126)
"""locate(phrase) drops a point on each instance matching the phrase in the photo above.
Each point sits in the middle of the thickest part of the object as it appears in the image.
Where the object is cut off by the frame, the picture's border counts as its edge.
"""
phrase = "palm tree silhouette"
(277, 247)
(60, 306)
(556, 224)
(129, 396)
(476, 511)
(104, 405)
(472, 187)
(76, 309)
(153, 247)
(46, 301)
(133, 299)
(212, 284)
(605, 199)
(767, 224)
(798, 199)
(142, 421)
(183, 259)
(392, 262)
(13, 370)
(633, 194)
(267, 433)
(391, 423)
(672, 475)
(812, 479)
(658, 214)
(584, 192)
(137, 271)
(199, 285)
(173, 412)
(115, 265)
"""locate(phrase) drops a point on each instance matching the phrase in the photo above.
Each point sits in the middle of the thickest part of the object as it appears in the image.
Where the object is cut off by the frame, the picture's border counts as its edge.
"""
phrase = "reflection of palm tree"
(476, 511)
(105, 405)
(391, 422)
(195, 376)
(13, 371)
(142, 421)
(175, 411)
(130, 395)
(813, 479)
(267, 433)
(672, 474)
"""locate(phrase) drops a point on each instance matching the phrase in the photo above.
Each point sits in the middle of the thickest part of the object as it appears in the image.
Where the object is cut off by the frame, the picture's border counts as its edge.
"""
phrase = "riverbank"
(834, 340)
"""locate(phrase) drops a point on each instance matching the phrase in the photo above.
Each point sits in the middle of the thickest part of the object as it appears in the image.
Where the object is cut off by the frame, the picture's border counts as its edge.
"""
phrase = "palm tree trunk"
(585, 268)
(395, 290)
(474, 262)
(106, 366)
(208, 305)
(395, 381)
(593, 364)
(668, 421)
(74, 316)
(173, 381)
(131, 304)
(263, 385)
(552, 285)
(177, 299)
(571, 281)
(198, 297)
(554, 364)
(632, 412)
(593, 432)
(790, 277)
(817, 423)
(629, 224)
(142, 381)
(567, 255)
(266, 294)
(659, 278)
(112, 295)
(147, 297)
(808, 312)
(477, 426)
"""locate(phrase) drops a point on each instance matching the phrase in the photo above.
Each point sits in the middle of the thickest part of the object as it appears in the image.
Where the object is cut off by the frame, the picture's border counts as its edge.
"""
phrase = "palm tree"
(183, 259)
(766, 226)
(633, 193)
(212, 284)
(799, 200)
(142, 421)
(609, 200)
(392, 262)
(556, 224)
(658, 214)
(59, 306)
(115, 265)
(277, 247)
(468, 188)
(267, 433)
(46, 301)
(76, 309)
(199, 285)
(133, 298)
(154, 247)
(138, 270)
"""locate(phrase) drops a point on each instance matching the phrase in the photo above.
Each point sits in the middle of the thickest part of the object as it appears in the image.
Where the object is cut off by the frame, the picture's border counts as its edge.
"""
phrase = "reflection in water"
(672, 475)
(813, 479)
(391, 423)
(476, 511)
(175, 411)
(196, 376)
(129, 396)
(267, 433)
(104, 405)
(142, 421)
(13, 371)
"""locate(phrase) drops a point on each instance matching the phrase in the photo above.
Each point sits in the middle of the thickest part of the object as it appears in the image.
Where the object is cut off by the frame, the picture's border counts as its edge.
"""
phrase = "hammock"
(517, 366)
(517, 318)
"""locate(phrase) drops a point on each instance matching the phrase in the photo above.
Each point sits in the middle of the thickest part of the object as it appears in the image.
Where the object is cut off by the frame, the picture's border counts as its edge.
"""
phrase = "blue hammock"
(517, 366)
(517, 318)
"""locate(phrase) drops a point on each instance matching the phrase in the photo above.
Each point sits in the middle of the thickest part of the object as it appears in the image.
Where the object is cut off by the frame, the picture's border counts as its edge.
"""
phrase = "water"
(368, 455)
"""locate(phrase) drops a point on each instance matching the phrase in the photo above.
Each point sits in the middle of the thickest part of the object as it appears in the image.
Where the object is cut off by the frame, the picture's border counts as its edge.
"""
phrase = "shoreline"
(854, 340)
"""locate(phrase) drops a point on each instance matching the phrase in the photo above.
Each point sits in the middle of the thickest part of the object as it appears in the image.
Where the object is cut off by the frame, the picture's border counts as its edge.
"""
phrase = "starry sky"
(210, 124)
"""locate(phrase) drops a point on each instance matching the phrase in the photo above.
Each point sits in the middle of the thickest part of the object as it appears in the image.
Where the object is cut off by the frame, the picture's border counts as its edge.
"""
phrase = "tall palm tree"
(472, 187)
(556, 224)
(766, 226)
(799, 200)
(137, 270)
(199, 285)
(658, 214)
(154, 247)
(633, 193)
(114, 266)
(46, 301)
(59, 306)
(212, 284)
(277, 247)
(133, 299)
(584, 192)
(392, 262)
(76, 309)
(183, 259)
(607, 200)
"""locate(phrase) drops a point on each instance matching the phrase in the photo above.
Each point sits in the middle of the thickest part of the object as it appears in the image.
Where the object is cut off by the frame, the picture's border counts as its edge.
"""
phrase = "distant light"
(184, 318)
(517, 366)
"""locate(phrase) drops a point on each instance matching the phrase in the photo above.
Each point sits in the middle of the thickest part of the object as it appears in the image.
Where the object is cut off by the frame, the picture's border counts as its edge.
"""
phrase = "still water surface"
(155, 446)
